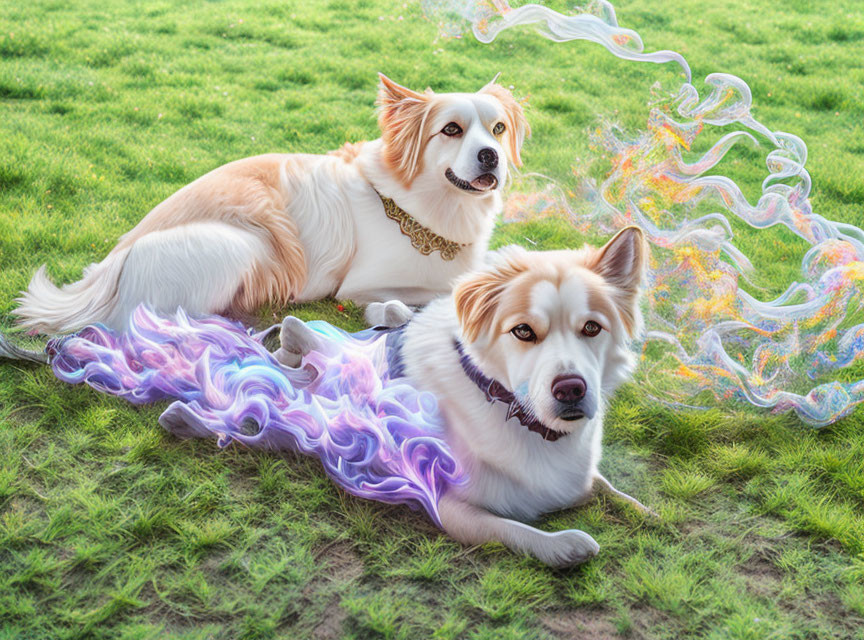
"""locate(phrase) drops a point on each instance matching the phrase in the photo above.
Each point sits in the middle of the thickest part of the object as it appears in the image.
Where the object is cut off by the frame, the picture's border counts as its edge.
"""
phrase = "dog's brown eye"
(451, 129)
(524, 333)
(498, 129)
(591, 329)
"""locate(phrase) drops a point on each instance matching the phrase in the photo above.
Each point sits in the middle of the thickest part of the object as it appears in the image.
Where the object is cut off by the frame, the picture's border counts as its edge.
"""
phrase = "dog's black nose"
(488, 157)
(569, 389)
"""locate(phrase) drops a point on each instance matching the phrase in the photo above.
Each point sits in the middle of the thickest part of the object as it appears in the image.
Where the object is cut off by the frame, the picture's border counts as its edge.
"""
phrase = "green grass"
(109, 528)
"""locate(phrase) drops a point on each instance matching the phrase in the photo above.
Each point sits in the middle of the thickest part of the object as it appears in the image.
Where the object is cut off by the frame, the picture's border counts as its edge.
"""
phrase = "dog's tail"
(47, 308)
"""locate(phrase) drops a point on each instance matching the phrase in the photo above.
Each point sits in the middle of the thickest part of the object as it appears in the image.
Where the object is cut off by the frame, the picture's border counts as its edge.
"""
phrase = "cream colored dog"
(522, 358)
(398, 217)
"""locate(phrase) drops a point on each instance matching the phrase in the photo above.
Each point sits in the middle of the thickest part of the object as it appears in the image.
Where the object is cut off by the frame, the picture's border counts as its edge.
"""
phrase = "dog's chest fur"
(512, 471)
(354, 251)
(411, 277)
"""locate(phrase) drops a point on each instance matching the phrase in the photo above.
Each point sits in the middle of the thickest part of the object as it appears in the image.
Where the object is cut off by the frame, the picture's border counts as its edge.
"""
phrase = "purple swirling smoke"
(377, 437)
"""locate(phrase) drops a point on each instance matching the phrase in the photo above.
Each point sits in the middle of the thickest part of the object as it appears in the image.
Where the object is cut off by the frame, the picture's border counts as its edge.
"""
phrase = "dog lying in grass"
(485, 408)
(395, 218)
(521, 358)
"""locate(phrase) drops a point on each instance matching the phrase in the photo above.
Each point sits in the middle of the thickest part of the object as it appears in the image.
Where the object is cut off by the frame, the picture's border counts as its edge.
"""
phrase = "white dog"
(399, 217)
(522, 358)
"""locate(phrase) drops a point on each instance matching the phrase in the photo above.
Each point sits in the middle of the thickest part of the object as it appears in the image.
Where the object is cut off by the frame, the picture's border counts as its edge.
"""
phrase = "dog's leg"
(198, 267)
(296, 340)
(604, 486)
(387, 314)
(473, 525)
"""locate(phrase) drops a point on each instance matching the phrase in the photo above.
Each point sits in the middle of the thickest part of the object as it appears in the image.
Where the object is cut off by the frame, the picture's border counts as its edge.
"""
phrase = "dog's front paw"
(387, 314)
(567, 548)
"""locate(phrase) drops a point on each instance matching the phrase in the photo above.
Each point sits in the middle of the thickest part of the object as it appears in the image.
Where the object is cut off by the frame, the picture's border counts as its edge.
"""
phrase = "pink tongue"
(486, 181)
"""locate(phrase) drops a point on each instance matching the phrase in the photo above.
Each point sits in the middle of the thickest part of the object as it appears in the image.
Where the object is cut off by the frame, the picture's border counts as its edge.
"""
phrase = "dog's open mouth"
(483, 182)
(571, 416)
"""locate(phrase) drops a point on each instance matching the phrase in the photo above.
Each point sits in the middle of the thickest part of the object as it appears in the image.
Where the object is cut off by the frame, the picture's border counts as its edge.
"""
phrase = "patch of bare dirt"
(575, 623)
(330, 626)
(763, 577)
(341, 565)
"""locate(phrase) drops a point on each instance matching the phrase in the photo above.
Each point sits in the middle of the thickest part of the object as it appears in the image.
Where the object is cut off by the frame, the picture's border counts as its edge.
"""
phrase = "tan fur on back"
(348, 151)
(246, 194)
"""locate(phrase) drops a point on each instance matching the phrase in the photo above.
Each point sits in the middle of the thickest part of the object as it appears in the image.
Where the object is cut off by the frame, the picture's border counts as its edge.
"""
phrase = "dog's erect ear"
(402, 117)
(622, 263)
(516, 124)
(389, 92)
(476, 294)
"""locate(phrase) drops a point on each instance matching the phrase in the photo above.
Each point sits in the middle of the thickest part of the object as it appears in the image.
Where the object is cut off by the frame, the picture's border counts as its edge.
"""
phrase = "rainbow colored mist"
(705, 332)
(377, 437)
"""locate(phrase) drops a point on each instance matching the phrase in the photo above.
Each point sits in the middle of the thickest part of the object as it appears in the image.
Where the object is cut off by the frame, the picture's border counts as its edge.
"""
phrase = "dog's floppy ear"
(517, 128)
(476, 294)
(622, 263)
(402, 117)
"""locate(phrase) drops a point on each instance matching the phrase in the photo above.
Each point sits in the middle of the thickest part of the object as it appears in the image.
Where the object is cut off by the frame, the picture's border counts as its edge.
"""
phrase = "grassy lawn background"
(110, 528)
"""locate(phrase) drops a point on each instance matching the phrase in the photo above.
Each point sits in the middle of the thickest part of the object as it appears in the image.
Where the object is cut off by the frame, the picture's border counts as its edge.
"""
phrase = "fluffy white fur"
(294, 227)
(516, 474)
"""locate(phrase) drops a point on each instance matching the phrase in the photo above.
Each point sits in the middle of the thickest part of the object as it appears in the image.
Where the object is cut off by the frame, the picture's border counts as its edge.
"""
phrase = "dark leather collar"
(496, 392)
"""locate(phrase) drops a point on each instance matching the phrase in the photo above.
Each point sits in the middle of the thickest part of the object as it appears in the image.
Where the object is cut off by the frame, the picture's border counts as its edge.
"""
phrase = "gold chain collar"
(424, 240)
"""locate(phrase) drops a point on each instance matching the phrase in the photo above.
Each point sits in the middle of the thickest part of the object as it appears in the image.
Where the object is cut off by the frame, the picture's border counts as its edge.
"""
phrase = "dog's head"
(461, 140)
(553, 327)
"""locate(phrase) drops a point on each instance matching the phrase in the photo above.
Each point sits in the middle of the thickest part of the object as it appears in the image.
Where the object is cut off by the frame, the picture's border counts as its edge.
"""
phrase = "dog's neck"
(460, 217)
(423, 239)
(497, 392)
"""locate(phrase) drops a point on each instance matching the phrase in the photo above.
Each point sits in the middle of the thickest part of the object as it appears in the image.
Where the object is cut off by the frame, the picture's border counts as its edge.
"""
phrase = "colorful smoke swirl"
(706, 335)
(377, 437)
